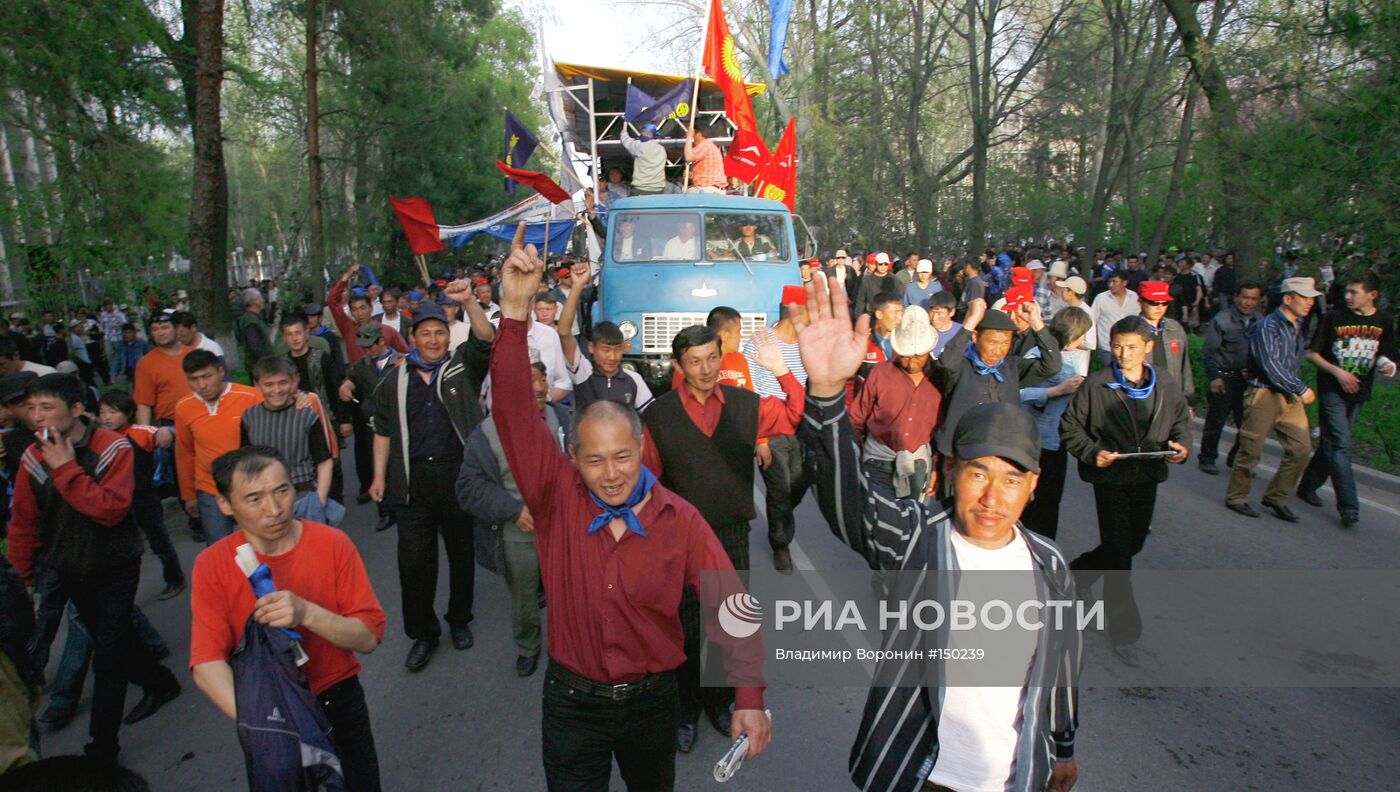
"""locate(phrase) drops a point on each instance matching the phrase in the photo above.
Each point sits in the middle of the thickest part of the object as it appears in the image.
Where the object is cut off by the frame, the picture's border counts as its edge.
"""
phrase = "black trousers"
(1042, 514)
(584, 732)
(104, 601)
(786, 482)
(1125, 520)
(432, 510)
(735, 540)
(1221, 406)
(364, 450)
(345, 707)
(150, 518)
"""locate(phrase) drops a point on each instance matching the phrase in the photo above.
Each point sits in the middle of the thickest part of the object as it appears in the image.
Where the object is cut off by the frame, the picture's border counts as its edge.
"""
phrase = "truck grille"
(658, 329)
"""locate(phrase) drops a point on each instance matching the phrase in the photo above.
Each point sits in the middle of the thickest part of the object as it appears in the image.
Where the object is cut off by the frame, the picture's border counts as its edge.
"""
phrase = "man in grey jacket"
(1171, 352)
(1225, 357)
(648, 161)
(486, 489)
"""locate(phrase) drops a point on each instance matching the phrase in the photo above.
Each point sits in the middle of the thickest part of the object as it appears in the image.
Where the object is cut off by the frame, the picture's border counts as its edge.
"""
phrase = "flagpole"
(695, 94)
(545, 257)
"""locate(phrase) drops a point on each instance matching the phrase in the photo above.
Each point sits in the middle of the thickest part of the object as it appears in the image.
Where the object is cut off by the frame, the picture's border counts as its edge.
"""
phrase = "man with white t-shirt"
(969, 739)
(187, 330)
(1119, 302)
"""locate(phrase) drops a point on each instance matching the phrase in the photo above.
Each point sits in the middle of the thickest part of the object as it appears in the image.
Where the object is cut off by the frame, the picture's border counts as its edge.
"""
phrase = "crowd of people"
(489, 417)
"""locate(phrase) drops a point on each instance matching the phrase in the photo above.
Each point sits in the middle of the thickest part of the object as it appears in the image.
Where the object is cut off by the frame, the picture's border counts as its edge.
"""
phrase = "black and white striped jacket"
(897, 742)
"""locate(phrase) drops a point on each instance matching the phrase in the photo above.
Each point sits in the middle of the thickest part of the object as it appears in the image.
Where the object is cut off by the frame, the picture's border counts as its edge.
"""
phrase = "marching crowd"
(931, 409)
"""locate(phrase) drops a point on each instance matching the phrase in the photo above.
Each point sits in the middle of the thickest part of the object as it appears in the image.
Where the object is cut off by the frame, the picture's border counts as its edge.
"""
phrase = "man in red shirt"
(616, 550)
(323, 592)
(208, 423)
(361, 313)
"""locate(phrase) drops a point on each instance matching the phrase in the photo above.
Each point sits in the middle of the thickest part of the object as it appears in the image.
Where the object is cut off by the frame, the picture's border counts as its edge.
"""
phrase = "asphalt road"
(468, 723)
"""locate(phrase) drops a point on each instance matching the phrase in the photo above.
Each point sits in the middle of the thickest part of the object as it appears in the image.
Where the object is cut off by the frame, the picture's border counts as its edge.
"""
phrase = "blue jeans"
(308, 507)
(66, 689)
(1335, 416)
(217, 525)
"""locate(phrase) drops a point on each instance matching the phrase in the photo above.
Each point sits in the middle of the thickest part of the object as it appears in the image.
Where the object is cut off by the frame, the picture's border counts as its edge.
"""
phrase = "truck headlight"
(629, 330)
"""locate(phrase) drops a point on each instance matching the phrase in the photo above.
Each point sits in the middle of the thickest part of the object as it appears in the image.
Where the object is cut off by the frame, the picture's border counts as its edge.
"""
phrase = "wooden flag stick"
(695, 99)
(422, 260)
(545, 256)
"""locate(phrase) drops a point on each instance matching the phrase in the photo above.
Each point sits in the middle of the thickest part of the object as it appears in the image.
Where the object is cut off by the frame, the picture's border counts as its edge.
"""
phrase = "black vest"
(974, 389)
(714, 473)
(599, 387)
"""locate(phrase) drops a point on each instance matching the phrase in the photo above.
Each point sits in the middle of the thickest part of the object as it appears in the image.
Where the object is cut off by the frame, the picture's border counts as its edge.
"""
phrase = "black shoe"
(1242, 508)
(51, 720)
(720, 719)
(363, 498)
(171, 591)
(685, 737)
(1282, 512)
(385, 523)
(1209, 468)
(1127, 654)
(197, 536)
(525, 666)
(782, 559)
(462, 637)
(1350, 520)
(151, 703)
(419, 653)
(1310, 498)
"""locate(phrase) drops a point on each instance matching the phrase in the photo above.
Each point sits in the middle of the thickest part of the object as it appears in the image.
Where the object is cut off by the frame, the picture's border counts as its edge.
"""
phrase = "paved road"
(468, 723)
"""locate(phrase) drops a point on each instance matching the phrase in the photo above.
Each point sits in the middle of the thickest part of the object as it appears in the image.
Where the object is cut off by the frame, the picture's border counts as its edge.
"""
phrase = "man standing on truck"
(648, 161)
(707, 163)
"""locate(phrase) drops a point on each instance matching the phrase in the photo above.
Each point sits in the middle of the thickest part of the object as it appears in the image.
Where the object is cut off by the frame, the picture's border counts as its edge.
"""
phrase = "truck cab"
(669, 259)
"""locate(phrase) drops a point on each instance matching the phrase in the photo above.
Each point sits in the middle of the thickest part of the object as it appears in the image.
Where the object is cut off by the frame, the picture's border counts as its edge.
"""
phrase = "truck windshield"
(675, 236)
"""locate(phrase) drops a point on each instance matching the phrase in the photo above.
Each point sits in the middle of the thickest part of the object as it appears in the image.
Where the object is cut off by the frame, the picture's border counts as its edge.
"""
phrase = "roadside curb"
(1368, 475)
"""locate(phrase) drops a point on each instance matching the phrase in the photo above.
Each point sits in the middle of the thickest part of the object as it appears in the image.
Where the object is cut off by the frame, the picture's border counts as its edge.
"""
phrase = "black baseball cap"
(311, 309)
(426, 311)
(1001, 430)
(368, 335)
(13, 386)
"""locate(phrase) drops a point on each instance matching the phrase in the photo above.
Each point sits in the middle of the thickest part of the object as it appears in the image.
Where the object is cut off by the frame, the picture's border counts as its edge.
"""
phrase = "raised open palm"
(832, 350)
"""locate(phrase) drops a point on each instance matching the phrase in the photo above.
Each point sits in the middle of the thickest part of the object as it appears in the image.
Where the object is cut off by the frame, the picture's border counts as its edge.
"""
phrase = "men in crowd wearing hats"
(1018, 737)
(1350, 346)
(358, 390)
(895, 412)
(876, 283)
(1225, 357)
(978, 366)
(1172, 351)
(570, 278)
(1275, 403)
(706, 162)
(14, 416)
(1109, 307)
(1041, 286)
(648, 160)
(1055, 278)
(923, 286)
(424, 410)
(839, 269)
(1128, 407)
(318, 330)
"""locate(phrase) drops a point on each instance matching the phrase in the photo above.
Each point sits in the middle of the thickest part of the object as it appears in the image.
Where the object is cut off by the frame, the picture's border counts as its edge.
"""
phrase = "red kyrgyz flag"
(721, 62)
(416, 216)
(543, 184)
(748, 156)
(779, 179)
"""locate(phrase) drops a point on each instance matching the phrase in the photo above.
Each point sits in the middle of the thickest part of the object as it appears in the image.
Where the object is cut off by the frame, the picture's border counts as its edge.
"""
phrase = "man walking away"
(1350, 346)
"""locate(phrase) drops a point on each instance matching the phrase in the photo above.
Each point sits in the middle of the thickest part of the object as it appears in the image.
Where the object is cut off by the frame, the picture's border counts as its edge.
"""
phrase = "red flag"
(419, 225)
(779, 179)
(543, 184)
(721, 62)
(748, 156)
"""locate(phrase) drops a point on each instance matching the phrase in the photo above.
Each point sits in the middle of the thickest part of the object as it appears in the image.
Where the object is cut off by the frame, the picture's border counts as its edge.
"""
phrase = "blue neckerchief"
(382, 359)
(1128, 390)
(644, 485)
(432, 368)
(982, 368)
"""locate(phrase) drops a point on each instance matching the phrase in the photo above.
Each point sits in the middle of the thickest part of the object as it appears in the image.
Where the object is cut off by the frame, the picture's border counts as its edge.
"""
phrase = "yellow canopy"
(656, 82)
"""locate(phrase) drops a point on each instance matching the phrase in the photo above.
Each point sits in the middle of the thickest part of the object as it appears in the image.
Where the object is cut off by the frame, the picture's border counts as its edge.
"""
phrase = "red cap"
(814, 262)
(1020, 275)
(1156, 291)
(565, 270)
(870, 258)
(1017, 295)
(477, 281)
(794, 295)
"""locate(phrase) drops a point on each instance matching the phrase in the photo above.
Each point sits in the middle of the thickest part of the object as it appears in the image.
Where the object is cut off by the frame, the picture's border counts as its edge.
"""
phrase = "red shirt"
(613, 608)
(894, 410)
(775, 416)
(335, 300)
(324, 567)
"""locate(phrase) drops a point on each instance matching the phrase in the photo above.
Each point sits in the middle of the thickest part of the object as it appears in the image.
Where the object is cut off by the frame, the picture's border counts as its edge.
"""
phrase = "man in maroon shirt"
(616, 549)
(360, 313)
(894, 414)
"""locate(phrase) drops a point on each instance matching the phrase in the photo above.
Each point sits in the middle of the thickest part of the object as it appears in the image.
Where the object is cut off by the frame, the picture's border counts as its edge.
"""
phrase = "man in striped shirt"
(302, 436)
(952, 737)
(1275, 403)
(706, 163)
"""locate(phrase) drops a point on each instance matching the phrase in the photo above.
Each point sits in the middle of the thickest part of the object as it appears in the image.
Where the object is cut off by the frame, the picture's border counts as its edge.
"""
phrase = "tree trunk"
(12, 231)
(208, 230)
(1240, 222)
(313, 138)
(1174, 185)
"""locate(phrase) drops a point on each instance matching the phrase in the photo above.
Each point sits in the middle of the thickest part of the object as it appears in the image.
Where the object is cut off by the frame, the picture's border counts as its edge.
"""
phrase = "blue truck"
(669, 259)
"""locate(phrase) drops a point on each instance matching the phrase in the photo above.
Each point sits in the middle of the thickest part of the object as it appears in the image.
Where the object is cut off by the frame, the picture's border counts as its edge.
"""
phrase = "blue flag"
(520, 144)
(642, 109)
(780, 11)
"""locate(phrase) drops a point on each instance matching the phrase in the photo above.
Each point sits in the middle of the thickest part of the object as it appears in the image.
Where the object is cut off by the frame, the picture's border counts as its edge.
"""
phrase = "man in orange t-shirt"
(160, 380)
(208, 423)
(323, 592)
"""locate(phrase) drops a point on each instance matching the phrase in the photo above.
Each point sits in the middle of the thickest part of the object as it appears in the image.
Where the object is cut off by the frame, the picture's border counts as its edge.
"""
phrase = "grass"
(1376, 435)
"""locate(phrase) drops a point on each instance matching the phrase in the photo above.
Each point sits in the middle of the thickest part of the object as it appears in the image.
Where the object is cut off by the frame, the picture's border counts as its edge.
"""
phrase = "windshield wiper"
(735, 248)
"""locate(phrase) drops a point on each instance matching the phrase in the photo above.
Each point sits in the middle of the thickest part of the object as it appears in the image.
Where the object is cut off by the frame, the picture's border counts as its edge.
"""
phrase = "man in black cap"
(424, 410)
(358, 392)
(1128, 408)
(17, 436)
(957, 737)
(312, 312)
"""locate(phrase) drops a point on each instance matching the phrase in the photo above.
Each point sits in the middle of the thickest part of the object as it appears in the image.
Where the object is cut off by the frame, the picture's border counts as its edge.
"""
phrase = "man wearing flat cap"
(912, 733)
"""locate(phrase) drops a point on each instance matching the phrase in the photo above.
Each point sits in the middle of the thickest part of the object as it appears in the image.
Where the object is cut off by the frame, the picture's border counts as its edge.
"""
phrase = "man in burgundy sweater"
(616, 549)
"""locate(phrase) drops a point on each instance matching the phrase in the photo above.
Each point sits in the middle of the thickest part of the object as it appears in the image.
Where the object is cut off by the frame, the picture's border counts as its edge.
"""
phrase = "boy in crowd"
(302, 437)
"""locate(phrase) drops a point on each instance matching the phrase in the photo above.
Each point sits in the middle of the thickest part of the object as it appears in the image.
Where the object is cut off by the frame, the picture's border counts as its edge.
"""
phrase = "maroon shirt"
(895, 411)
(613, 604)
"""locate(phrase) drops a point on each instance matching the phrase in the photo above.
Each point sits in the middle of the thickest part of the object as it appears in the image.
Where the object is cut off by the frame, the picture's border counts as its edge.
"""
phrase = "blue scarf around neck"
(1119, 383)
(982, 368)
(625, 511)
(431, 368)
